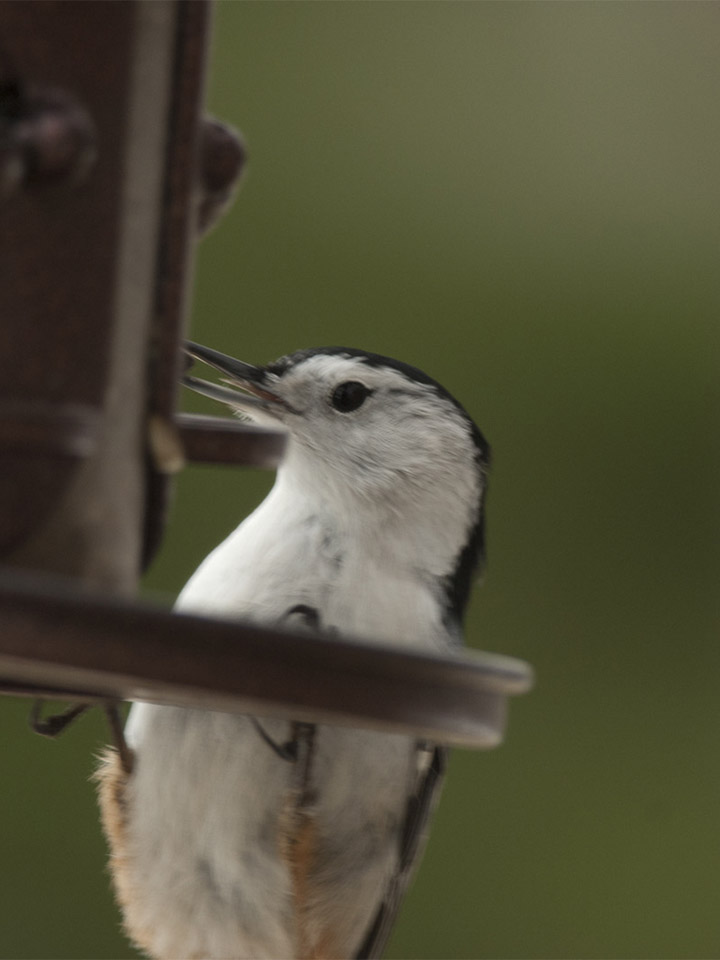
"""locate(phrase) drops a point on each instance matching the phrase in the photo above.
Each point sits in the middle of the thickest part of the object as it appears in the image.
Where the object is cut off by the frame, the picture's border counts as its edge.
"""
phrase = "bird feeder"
(109, 172)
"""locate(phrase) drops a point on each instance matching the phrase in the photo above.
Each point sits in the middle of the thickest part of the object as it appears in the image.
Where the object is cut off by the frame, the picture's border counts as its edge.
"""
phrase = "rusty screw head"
(222, 164)
(46, 138)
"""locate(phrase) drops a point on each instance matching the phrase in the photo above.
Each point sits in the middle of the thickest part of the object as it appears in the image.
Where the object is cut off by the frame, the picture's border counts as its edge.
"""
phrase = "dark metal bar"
(222, 440)
(53, 639)
(181, 200)
(191, 193)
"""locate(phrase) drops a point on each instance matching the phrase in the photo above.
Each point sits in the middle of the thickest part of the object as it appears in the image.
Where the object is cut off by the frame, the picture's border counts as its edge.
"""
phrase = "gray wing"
(420, 806)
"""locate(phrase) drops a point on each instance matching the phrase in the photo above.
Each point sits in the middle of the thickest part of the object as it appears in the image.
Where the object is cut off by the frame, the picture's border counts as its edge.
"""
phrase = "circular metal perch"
(58, 643)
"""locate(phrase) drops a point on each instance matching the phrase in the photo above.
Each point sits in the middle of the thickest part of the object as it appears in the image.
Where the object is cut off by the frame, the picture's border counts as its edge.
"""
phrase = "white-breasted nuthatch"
(239, 838)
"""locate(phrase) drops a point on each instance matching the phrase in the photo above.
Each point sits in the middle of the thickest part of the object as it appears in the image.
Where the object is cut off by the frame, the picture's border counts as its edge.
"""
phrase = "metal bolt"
(222, 164)
(46, 138)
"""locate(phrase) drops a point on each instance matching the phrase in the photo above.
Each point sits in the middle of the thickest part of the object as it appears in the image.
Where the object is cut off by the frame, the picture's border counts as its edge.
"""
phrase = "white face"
(399, 470)
(372, 429)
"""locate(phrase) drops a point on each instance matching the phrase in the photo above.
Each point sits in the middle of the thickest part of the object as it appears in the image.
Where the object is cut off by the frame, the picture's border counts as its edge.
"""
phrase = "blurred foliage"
(522, 199)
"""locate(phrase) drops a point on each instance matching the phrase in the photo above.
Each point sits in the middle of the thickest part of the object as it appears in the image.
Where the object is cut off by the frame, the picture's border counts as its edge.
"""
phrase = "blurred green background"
(522, 199)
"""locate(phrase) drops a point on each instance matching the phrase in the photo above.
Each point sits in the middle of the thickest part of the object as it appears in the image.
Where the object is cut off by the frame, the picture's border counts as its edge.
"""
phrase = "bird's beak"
(248, 378)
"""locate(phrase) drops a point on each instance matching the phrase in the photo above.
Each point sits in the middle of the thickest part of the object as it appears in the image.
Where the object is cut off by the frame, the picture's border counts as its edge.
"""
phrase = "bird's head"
(372, 438)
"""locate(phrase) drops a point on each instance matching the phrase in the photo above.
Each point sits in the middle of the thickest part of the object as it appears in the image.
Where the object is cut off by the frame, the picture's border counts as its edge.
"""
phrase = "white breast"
(289, 552)
(207, 792)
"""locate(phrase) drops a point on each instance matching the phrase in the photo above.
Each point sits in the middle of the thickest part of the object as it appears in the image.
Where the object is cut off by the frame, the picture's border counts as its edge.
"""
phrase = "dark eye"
(349, 396)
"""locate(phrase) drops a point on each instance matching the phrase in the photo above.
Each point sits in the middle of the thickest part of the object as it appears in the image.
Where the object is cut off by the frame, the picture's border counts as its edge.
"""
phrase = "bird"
(238, 837)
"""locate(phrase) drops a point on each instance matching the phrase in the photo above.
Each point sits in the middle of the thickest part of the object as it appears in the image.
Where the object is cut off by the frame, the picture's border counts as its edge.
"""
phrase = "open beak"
(249, 379)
